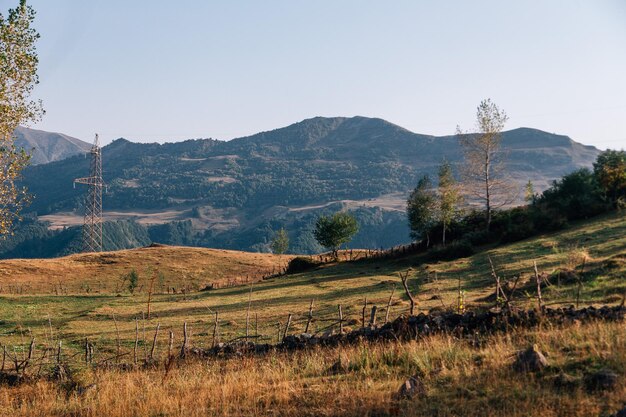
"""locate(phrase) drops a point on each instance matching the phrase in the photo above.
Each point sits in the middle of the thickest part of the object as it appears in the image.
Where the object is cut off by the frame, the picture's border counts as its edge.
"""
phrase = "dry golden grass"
(460, 380)
(181, 267)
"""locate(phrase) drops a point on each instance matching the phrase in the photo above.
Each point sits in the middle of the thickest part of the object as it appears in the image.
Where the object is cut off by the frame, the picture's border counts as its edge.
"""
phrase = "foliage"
(280, 242)
(610, 172)
(421, 209)
(454, 250)
(529, 192)
(301, 264)
(449, 198)
(336, 230)
(484, 171)
(575, 196)
(131, 280)
(18, 77)
(179, 233)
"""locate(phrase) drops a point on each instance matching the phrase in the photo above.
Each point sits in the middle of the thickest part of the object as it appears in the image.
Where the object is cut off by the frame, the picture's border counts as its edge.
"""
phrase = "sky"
(165, 71)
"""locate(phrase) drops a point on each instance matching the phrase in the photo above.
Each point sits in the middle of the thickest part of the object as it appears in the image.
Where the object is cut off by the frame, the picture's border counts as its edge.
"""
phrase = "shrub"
(478, 237)
(301, 264)
(457, 249)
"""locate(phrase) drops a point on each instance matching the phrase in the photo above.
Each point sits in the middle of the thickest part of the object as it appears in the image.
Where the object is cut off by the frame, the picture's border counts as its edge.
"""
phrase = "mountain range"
(234, 194)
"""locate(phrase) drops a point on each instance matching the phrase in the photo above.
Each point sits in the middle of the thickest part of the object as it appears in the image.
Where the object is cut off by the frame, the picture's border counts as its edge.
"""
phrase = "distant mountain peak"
(47, 147)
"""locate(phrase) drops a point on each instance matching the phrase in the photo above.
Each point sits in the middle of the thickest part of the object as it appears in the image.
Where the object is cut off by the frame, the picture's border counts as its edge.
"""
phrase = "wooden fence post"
(154, 341)
(216, 330)
(363, 313)
(538, 279)
(340, 319)
(404, 277)
(389, 304)
(136, 341)
(287, 326)
(183, 349)
(170, 346)
(373, 316)
(310, 318)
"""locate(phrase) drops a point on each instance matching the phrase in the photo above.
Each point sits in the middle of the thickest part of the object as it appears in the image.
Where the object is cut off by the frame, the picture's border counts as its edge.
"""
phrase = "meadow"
(459, 378)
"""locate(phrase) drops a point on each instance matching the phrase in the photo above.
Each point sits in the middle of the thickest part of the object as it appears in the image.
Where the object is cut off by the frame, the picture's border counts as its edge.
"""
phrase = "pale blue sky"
(170, 70)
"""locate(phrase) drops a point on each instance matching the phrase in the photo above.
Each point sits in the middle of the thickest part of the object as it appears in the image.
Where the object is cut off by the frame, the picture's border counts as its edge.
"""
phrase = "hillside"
(45, 147)
(235, 193)
(183, 268)
(94, 279)
(458, 373)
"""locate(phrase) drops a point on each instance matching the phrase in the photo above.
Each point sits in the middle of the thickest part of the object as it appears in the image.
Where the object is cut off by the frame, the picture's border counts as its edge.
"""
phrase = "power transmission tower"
(92, 227)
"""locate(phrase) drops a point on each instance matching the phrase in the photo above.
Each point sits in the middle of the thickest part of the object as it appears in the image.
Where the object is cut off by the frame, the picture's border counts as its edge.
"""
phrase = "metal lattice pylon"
(92, 227)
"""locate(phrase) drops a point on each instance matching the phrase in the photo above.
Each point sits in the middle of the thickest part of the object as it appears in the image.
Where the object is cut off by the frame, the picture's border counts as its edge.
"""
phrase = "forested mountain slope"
(234, 194)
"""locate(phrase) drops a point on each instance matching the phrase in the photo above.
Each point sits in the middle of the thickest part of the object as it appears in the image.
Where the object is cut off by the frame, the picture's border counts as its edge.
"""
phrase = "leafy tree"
(577, 195)
(18, 77)
(133, 281)
(610, 171)
(529, 192)
(449, 198)
(484, 171)
(333, 231)
(280, 242)
(421, 209)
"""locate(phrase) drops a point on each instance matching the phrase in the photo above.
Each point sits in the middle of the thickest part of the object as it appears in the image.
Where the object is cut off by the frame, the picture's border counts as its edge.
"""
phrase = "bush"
(301, 264)
(457, 249)
(477, 238)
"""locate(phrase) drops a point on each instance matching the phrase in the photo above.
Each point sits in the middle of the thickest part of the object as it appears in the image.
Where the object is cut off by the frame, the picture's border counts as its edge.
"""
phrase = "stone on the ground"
(411, 388)
(530, 360)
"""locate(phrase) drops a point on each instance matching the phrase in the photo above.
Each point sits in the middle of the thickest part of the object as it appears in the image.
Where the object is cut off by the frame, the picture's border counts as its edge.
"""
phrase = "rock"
(604, 379)
(411, 388)
(530, 360)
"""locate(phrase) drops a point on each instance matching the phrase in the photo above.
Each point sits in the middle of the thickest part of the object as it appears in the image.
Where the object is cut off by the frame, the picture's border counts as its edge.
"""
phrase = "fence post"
(154, 341)
(308, 322)
(373, 316)
(287, 326)
(183, 349)
(389, 304)
(340, 319)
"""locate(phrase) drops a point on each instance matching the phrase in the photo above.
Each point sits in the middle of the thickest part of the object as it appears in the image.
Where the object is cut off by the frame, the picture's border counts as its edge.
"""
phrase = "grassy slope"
(188, 267)
(76, 316)
(460, 378)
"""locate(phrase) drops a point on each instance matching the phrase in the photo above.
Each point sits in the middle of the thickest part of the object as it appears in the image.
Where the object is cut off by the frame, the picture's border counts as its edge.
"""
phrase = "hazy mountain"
(47, 147)
(233, 194)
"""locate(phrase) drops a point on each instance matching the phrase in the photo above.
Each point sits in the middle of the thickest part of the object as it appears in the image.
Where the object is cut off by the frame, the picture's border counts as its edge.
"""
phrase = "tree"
(449, 198)
(18, 77)
(577, 195)
(484, 172)
(421, 209)
(529, 193)
(333, 231)
(280, 242)
(610, 172)
(131, 280)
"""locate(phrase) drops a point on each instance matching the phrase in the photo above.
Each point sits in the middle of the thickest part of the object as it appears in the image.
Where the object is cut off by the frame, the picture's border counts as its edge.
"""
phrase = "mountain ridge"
(45, 147)
(233, 194)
